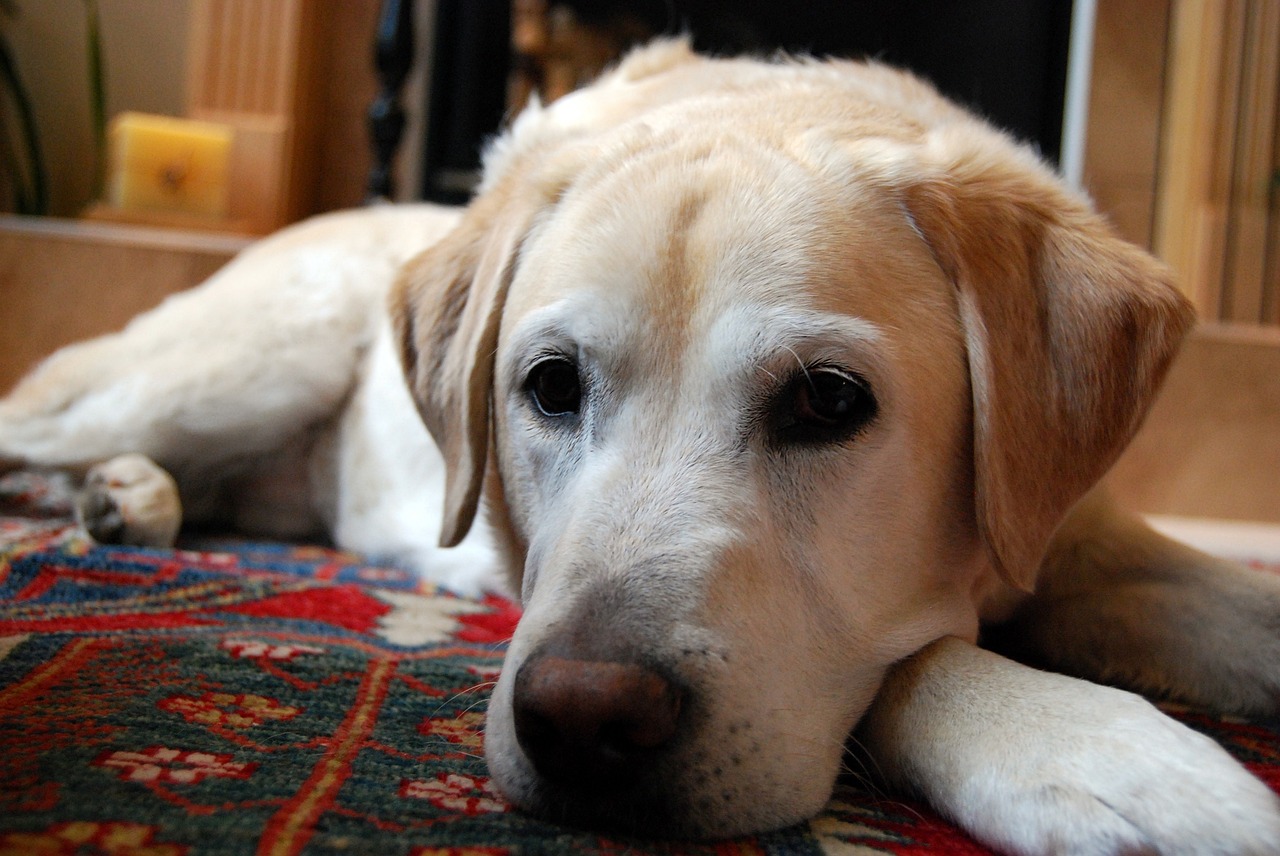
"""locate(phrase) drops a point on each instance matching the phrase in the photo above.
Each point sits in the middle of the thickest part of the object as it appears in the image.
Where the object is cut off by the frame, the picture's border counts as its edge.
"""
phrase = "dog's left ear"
(446, 309)
(1069, 331)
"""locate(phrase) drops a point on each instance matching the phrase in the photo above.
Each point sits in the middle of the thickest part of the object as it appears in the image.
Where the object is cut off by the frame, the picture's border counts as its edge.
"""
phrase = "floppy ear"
(446, 310)
(1069, 332)
(447, 304)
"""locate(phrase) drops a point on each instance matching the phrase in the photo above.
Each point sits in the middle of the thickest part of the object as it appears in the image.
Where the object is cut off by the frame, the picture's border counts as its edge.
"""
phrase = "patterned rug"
(236, 698)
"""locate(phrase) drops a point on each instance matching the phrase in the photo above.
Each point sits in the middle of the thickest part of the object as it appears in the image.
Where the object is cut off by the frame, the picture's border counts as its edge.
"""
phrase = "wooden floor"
(1211, 446)
(1231, 539)
(1210, 449)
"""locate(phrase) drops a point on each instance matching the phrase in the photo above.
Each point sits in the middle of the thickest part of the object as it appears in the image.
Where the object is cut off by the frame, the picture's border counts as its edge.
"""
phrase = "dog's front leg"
(1031, 762)
(1119, 603)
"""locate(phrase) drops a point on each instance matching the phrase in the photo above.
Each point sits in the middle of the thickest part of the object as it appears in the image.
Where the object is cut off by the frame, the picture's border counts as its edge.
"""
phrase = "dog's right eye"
(824, 404)
(554, 386)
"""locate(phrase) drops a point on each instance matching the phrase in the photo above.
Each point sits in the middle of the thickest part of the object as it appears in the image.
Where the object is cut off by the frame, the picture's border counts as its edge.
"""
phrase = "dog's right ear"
(447, 305)
(446, 311)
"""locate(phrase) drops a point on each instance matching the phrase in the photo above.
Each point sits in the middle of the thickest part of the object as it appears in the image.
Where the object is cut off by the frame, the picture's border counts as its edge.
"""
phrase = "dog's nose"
(586, 722)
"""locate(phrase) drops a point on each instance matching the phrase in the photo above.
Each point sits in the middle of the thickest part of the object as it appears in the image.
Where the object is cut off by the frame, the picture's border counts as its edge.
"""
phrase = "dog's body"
(273, 396)
(779, 380)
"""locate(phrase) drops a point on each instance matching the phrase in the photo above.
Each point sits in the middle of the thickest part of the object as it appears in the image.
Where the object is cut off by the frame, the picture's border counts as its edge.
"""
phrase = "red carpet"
(238, 698)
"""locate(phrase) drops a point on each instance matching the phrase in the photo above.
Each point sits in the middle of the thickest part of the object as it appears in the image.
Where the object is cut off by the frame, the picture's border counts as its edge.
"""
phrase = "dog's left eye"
(824, 405)
(554, 386)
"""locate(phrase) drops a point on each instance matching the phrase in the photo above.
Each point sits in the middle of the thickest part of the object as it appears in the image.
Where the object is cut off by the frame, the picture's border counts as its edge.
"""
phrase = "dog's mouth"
(671, 796)
(628, 748)
(663, 800)
(633, 808)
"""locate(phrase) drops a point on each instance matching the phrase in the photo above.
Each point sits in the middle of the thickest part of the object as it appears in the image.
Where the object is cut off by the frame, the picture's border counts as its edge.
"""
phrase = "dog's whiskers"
(444, 703)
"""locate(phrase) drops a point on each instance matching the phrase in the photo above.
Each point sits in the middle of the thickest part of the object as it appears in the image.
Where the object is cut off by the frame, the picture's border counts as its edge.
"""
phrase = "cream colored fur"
(694, 235)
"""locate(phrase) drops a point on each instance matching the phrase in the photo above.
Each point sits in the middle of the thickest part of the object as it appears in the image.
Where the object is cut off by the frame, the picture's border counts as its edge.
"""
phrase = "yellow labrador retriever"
(780, 382)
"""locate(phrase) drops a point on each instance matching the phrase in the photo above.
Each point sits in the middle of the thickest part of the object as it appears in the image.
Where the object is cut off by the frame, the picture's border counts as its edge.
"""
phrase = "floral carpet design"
(237, 698)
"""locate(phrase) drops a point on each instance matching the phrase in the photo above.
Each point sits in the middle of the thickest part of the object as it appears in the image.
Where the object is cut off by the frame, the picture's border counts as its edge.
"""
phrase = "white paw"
(130, 500)
(1110, 774)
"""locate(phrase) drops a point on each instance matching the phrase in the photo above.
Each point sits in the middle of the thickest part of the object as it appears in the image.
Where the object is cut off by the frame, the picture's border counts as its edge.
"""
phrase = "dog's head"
(771, 374)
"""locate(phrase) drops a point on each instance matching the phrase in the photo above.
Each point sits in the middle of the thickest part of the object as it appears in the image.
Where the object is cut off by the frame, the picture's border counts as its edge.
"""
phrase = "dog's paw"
(130, 500)
(1034, 763)
(1128, 781)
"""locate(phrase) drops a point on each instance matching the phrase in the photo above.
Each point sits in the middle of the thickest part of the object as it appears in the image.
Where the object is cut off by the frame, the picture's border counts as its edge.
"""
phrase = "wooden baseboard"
(1211, 445)
(1242, 541)
(66, 280)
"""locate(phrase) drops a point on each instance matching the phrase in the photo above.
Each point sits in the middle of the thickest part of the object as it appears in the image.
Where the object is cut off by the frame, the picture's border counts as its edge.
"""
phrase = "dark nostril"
(592, 722)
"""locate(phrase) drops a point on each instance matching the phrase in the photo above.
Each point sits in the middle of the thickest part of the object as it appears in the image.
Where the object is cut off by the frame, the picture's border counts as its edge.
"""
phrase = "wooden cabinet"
(63, 280)
(1183, 154)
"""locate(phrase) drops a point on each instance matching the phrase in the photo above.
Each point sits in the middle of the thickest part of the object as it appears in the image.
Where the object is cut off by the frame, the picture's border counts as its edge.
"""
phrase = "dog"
(784, 384)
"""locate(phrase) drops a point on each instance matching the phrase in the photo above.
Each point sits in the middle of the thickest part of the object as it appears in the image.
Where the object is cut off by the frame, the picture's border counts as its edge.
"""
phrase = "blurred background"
(1164, 111)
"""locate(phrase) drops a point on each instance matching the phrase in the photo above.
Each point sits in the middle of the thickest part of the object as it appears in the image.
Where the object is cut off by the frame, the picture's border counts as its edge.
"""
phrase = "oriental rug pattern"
(235, 698)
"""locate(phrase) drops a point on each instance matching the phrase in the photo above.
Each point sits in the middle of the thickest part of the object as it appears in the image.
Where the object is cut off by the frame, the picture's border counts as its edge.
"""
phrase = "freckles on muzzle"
(595, 711)
(622, 712)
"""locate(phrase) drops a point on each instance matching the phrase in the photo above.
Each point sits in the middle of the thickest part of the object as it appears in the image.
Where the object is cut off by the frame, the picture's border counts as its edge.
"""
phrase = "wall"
(144, 47)
(1123, 138)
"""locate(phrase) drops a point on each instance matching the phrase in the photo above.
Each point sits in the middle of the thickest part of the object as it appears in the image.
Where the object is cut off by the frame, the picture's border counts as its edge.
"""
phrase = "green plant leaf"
(35, 199)
(97, 95)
